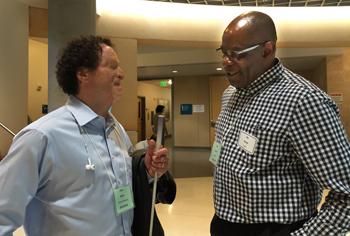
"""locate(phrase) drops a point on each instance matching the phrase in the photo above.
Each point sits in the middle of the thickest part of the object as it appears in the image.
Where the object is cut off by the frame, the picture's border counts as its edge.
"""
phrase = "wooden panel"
(217, 87)
(204, 118)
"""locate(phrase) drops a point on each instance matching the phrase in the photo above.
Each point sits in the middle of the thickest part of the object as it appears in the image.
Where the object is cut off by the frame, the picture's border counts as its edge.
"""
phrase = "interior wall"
(38, 22)
(152, 93)
(338, 80)
(13, 69)
(307, 74)
(37, 74)
(125, 109)
(191, 130)
(320, 75)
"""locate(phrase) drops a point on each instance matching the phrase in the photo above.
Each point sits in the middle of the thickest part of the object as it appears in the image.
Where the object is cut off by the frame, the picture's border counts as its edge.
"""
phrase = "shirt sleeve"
(22, 172)
(321, 144)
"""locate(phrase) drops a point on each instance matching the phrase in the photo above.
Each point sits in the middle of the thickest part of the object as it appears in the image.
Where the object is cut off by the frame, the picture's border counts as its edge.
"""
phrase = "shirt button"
(112, 156)
(119, 180)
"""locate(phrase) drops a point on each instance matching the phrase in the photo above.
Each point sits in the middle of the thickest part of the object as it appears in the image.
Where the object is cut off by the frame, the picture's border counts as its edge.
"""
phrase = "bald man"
(280, 143)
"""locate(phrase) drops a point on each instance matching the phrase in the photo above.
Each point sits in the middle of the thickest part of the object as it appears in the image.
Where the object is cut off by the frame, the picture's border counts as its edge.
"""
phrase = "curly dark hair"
(81, 52)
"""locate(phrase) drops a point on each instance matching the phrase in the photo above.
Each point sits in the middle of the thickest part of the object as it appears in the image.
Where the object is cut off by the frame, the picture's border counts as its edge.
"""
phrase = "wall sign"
(198, 108)
(186, 109)
(44, 109)
(337, 97)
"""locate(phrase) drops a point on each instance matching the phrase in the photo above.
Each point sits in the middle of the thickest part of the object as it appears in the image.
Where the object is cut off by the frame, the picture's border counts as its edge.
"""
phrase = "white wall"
(13, 69)
(151, 94)
(37, 74)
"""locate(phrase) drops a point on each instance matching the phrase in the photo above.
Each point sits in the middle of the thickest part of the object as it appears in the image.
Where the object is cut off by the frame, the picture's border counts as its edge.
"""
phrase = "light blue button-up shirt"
(44, 184)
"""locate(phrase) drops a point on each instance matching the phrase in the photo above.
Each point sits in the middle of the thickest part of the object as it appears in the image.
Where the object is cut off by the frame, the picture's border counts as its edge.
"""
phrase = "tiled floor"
(188, 162)
(192, 211)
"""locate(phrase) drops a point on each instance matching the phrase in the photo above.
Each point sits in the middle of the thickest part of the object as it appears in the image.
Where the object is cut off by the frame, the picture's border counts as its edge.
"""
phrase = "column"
(67, 19)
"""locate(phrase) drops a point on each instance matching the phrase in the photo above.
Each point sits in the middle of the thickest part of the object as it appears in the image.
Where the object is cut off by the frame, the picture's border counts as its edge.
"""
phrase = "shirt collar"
(82, 113)
(265, 79)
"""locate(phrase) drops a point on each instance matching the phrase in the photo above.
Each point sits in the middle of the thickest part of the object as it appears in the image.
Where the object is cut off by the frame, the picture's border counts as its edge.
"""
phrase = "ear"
(269, 50)
(82, 74)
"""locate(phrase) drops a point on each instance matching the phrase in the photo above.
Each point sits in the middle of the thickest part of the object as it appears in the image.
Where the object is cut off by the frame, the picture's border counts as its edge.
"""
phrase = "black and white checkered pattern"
(302, 148)
(226, 96)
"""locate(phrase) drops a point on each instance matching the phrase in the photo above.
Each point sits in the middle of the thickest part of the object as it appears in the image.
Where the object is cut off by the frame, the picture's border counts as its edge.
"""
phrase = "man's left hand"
(156, 161)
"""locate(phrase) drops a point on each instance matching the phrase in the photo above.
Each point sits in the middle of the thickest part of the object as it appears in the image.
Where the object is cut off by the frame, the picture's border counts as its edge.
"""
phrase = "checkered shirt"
(301, 149)
(226, 96)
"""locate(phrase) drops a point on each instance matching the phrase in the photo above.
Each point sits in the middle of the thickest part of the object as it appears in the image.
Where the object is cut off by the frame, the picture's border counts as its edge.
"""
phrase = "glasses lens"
(220, 53)
(231, 54)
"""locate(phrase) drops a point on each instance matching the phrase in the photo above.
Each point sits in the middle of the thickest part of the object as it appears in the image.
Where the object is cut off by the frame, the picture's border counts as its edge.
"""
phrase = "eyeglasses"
(235, 55)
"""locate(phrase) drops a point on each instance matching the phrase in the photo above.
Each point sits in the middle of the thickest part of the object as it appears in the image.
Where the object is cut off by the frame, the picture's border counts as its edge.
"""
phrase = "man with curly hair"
(70, 173)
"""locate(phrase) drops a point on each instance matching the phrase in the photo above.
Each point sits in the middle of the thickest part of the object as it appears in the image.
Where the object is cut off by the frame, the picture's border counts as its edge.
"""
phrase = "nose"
(120, 73)
(226, 61)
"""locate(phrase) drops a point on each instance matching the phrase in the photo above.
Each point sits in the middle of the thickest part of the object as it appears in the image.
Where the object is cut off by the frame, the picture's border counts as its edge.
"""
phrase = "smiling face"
(105, 80)
(248, 68)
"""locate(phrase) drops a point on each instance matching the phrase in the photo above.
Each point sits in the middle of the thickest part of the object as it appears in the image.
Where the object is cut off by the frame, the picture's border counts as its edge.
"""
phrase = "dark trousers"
(220, 227)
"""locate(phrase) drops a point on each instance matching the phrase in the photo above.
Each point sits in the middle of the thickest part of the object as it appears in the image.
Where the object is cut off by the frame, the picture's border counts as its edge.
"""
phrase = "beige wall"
(151, 94)
(13, 69)
(37, 74)
(320, 75)
(307, 74)
(125, 109)
(338, 81)
(191, 130)
(38, 22)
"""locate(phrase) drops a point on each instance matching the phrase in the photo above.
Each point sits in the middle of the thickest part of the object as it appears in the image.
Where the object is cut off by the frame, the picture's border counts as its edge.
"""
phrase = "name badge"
(215, 153)
(247, 142)
(123, 199)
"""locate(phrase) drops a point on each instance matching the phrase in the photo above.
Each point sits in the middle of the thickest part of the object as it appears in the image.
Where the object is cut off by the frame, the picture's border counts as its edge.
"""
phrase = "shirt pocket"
(269, 146)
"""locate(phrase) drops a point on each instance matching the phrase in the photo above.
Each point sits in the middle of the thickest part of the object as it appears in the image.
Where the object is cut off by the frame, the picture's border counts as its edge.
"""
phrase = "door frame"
(143, 117)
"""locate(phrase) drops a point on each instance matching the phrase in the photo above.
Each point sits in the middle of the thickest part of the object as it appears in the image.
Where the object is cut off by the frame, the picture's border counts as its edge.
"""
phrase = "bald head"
(256, 26)
(248, 48)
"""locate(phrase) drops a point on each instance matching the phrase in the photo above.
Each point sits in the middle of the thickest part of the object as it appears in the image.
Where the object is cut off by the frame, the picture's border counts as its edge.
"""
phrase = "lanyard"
(82, 132)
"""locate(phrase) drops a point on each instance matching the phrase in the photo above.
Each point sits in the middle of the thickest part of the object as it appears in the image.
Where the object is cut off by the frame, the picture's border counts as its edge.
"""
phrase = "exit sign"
(163, 84)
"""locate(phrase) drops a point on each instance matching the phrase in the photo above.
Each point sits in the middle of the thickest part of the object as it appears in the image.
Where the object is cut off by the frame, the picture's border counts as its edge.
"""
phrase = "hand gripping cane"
(159, 142)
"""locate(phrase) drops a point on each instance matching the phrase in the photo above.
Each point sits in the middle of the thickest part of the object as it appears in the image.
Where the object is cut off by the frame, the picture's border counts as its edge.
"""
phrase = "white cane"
(159, 142)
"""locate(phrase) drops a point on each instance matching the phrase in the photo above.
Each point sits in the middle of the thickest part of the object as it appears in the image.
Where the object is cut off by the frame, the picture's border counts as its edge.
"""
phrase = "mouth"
(231, 74)
(117, 85)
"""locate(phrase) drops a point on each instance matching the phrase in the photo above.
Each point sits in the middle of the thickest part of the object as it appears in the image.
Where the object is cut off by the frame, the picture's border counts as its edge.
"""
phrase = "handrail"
(8, 130)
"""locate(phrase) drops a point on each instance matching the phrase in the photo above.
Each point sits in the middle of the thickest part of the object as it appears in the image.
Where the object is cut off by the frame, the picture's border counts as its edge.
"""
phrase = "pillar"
(67, 19)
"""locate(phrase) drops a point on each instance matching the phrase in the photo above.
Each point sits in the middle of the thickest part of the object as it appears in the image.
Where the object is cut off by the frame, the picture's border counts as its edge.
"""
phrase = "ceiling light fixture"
(218, 68)
(174, 71)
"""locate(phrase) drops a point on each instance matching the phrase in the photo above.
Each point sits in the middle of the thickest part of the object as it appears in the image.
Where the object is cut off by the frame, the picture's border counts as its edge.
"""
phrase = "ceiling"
(264, 3)
(237, 3)
(165, 71)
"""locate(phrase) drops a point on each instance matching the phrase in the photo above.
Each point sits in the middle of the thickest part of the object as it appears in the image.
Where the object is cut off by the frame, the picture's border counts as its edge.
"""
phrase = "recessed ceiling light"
(218, 68)
(174, 71)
